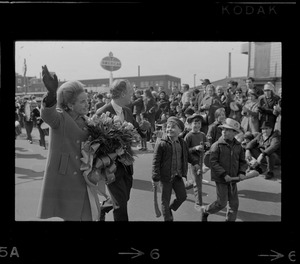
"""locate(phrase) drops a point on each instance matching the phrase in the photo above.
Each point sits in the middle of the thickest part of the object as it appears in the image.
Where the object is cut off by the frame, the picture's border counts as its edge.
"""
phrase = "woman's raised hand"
(50, 82)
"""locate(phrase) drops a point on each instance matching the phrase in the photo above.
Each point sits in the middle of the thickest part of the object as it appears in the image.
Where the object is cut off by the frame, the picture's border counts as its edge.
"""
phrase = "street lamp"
(195, 80)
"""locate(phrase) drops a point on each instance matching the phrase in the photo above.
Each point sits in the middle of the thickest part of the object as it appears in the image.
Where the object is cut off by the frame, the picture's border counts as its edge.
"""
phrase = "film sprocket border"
(36, 242)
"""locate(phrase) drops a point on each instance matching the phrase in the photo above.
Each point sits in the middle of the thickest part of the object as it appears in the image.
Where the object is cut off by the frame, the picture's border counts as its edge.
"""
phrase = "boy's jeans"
(227, 193)
(197, 186)
(28, 128)
(166, 192)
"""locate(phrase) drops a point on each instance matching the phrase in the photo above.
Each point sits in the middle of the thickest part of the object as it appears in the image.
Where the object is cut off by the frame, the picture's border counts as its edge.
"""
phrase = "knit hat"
(176, 120)
(192, 117)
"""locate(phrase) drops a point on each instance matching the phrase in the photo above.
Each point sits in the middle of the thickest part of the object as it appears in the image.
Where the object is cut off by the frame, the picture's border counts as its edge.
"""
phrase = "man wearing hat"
(265, 148)
(266, 104)
(169, 166)
(227, 160)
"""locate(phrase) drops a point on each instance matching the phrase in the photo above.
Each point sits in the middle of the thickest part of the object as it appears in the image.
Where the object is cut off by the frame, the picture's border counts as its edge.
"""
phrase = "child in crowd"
(197, 143)
(144, 125)
(138, 105)
(187, 127)
(173, 111)
(180, 113)
(170, 164)
(214, 129)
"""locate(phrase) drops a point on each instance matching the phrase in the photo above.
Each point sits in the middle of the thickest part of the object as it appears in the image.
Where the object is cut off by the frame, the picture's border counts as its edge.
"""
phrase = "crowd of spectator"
(248, 104)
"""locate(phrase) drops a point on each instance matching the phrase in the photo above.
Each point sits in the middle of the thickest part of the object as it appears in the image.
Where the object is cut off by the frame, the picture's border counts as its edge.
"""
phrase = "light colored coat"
(64, 192)
(250, 120)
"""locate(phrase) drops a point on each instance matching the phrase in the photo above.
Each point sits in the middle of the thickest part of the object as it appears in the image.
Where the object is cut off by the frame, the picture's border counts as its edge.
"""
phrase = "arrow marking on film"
(137, 253)
(277, 255)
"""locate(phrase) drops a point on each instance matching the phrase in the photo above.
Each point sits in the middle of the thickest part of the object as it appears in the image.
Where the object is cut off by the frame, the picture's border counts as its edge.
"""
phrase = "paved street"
(260, 199)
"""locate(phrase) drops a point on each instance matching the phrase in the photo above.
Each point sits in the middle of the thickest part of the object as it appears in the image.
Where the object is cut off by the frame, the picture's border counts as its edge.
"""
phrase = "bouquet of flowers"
(109, 142)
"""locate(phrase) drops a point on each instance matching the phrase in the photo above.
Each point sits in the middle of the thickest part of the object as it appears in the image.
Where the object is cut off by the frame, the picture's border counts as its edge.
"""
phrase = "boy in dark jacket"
(170, 164)
(227, 160)
(196, 142)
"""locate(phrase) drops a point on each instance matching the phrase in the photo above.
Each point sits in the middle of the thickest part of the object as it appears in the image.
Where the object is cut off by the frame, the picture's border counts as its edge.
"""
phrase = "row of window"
(146, 84)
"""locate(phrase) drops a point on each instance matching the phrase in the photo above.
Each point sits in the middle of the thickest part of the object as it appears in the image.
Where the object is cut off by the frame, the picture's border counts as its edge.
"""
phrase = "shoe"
(205, 169)
(259, 169)
(188, 184)
(204, 214)
(269, 175)
(30, 141)
(104, 210)
(171, 215)
(141, 149)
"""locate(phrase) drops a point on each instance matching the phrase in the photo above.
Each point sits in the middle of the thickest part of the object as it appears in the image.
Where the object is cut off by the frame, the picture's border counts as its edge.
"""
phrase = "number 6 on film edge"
(154, 254)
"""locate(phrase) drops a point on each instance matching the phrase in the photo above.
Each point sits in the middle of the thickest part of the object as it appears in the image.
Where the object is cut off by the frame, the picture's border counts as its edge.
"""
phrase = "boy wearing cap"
(170, 164)
(196, 142)
(227, 160)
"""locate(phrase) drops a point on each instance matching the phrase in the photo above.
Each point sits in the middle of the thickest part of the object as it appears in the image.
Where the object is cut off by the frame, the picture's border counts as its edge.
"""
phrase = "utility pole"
(195, 80)
(229, 65)
(249, 57)
(24, 76)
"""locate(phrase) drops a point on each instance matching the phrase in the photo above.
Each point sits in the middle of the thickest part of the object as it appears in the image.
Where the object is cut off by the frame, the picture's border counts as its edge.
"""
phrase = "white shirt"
(118, 109)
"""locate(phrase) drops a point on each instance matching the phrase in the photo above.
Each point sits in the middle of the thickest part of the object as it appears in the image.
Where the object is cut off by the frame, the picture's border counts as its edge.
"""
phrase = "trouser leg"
(180, 193)
(166, 192)
(271, 162)
(222, 198)
(120, 190)
(29, 127)
(42, 137)
(197, 186)
(233, 202)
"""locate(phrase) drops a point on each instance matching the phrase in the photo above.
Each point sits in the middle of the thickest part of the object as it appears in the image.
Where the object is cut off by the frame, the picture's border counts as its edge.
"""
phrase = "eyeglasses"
(266, 90)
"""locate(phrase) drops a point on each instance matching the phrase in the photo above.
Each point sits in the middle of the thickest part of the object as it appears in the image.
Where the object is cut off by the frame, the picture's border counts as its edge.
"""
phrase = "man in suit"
(121, 92)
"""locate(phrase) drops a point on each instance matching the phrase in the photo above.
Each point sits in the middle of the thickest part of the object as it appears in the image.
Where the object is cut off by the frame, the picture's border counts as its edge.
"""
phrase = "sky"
(80, 60)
